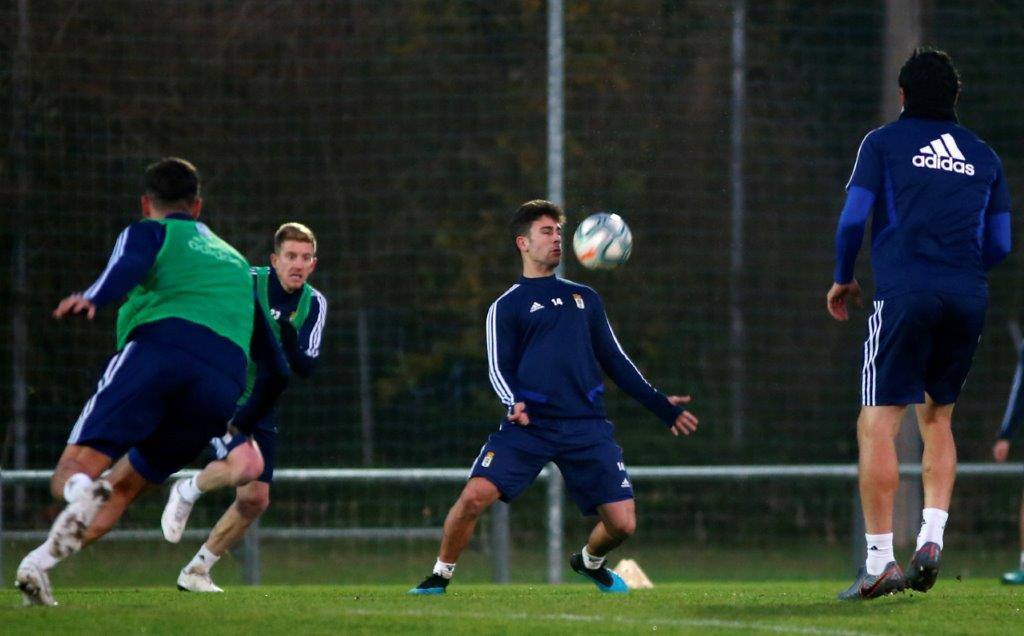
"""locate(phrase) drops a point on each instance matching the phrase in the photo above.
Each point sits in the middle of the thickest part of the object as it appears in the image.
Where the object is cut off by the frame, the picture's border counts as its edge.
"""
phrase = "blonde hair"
(293, 231)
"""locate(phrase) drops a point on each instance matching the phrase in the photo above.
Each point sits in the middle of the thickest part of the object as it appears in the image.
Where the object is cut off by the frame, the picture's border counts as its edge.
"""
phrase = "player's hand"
(75, 304)
(686, 422)
(519, 415)
(1001, 450)
(836, 299)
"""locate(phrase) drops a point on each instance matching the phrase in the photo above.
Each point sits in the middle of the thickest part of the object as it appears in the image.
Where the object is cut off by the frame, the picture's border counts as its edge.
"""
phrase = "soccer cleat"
(432, 585)
(34, 584)
(175, 514)
(196, 582)
(69, 528)
(602, 577)
(1013, 578)
(924, 567)
(868, 586)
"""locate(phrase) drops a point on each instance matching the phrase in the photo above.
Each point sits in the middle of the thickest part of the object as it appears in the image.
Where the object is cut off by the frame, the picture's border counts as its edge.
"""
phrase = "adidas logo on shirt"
(625, 483)
(943, 154)
(536, 306)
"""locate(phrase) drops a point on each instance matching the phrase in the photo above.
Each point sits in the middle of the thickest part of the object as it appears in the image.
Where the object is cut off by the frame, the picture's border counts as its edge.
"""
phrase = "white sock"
(591, 562)
(75, 486)
(879, 552)
(933, 522)
(444, 570)
(42, 556)
(188, 490)
(202, 561)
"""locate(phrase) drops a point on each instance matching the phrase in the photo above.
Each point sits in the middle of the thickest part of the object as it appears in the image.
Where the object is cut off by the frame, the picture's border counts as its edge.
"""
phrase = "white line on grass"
(618, 620)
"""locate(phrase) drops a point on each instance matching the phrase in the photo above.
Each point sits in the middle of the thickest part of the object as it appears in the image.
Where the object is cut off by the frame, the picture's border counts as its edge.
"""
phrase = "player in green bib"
(182, 338)
(298, 313)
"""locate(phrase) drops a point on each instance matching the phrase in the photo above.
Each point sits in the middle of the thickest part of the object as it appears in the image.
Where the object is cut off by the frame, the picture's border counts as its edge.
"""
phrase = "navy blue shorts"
(160, 405)
(920, 342)
(584, 450)
(265, 435)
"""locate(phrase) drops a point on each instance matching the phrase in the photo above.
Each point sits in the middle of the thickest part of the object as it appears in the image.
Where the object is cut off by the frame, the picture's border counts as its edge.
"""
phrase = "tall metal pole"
(365, 394)
(737, 330)
(19, 328)
(556, 194)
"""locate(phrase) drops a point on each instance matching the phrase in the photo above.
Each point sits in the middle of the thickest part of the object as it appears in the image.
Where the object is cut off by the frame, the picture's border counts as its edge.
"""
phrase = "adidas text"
(944, 163)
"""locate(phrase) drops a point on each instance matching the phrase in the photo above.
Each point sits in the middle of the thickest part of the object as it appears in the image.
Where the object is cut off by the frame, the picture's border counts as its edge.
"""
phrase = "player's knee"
(473, 503)
(622, 528)
(252, 504)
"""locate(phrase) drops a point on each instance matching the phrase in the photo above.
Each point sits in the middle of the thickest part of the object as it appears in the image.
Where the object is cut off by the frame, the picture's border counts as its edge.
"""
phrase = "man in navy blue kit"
(941, 219)
(548, 339)
(1001, 450)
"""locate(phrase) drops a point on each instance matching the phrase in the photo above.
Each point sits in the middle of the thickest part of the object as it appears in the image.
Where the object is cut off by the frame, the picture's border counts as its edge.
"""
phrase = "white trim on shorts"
(868, 378)
(113, 367)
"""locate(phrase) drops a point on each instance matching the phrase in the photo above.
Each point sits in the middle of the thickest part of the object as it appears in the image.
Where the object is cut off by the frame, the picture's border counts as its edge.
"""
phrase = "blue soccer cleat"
(1015, 577)
(869, 586)
(602, 577)
(431, 586)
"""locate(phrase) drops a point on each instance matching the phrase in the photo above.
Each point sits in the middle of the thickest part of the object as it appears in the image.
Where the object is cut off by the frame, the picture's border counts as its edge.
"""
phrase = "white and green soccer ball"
(602, 241)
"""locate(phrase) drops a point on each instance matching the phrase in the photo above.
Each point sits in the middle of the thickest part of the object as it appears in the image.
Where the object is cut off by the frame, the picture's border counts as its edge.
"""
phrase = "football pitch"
(804, 607)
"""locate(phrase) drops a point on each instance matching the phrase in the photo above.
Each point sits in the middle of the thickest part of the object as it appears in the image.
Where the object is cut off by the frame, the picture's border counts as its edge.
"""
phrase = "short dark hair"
(530, 212)
(172, 181)
(929, 81)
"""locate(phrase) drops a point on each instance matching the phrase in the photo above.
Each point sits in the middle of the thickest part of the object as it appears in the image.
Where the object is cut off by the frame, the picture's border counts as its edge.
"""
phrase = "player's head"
(930, 84)
(537, 232)
(171, 185)
(294, 257)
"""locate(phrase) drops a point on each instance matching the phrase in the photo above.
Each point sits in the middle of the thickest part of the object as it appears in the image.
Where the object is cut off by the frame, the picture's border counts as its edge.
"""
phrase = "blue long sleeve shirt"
(548, 340)
(939, 205)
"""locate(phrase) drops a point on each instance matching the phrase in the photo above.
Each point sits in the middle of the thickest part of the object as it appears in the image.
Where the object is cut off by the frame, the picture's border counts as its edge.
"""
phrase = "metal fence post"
(251, 554)
(500, 542)
(554, 523)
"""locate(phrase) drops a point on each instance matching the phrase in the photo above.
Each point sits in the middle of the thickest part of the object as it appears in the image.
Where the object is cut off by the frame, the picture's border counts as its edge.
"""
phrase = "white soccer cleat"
(176, 513)
(196, 582)
(34, 584)
(69, 528)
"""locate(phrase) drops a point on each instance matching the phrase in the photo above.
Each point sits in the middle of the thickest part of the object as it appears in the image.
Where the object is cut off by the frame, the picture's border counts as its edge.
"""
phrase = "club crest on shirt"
(579, 300)
(488, 458)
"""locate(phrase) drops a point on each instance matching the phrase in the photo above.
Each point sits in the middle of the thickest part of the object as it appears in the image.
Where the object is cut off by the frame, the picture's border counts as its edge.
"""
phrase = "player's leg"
(240, 463)
(118, 414)
(596, 479)
(954, 341)
(251, 500)
(507, 464)
(126, 485)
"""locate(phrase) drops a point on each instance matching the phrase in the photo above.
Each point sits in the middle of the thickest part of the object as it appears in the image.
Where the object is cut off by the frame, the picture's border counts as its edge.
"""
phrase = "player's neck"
(536, 270)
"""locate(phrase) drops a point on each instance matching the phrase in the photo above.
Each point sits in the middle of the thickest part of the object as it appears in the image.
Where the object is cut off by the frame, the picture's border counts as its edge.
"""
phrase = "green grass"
(968, 607)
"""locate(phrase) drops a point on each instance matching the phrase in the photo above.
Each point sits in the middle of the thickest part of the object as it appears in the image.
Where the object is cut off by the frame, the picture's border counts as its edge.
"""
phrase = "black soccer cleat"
(602, 577)
(432, 585)
(924, 567)
(868, 586)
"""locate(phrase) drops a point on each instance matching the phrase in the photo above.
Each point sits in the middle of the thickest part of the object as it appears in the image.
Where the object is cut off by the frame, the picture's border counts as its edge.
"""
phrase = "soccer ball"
(602, 241)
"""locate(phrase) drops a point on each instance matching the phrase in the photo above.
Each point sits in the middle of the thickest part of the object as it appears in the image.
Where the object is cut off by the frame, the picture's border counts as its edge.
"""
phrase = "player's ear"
(522, 243)
(147, 207)
(195, 208)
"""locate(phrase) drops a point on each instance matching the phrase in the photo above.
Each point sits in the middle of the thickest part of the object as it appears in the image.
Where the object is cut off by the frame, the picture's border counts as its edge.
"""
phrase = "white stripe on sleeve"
(115, 256)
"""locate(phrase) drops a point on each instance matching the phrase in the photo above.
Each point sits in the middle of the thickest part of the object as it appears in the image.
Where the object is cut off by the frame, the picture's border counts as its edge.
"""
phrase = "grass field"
(807, 607)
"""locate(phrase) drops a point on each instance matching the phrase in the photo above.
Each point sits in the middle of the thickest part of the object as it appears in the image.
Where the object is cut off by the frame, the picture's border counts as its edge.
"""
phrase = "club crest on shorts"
(579, 301)
(488, 458)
